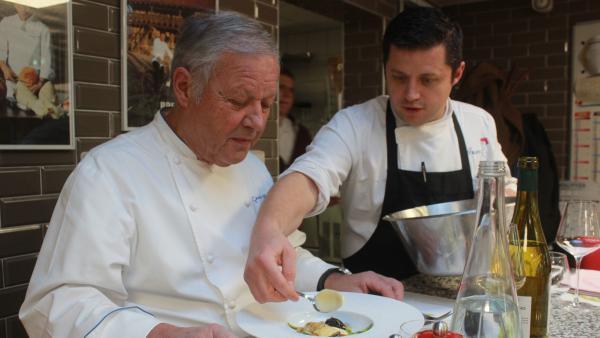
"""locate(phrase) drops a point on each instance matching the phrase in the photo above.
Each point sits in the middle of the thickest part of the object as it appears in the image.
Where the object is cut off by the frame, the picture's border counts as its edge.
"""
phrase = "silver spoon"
(430, 319)
(311, 299)
(329, 300)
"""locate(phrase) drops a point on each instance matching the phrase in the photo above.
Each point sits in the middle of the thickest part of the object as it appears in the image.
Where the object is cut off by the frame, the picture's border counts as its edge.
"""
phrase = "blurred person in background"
(293, 136)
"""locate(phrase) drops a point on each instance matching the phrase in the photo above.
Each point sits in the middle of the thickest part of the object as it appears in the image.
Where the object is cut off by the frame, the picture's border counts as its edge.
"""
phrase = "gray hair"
(203, 39)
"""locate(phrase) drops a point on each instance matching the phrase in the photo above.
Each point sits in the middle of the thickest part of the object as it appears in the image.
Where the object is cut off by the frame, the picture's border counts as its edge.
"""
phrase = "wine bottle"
(534, 295)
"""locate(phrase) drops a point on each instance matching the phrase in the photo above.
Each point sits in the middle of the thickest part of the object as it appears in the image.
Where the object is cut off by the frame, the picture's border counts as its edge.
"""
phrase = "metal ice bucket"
(438, 236)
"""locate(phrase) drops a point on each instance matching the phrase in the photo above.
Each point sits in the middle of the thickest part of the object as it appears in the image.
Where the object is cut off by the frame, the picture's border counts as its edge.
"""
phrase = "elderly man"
(151, 231)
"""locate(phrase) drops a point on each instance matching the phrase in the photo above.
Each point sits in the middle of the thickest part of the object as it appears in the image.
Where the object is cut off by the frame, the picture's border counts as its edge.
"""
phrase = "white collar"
(173, 142)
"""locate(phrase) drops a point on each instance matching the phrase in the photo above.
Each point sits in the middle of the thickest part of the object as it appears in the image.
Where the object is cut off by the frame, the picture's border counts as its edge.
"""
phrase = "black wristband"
(323, 278)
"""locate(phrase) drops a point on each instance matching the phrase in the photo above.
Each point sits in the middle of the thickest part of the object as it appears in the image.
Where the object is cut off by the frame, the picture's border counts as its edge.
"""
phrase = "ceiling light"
(38, 3)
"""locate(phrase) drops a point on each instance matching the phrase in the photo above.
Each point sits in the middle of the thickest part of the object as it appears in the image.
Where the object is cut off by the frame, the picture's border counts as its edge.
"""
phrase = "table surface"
(564, 321)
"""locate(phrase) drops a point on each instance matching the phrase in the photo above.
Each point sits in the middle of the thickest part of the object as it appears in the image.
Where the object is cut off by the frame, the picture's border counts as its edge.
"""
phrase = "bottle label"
(525, 312)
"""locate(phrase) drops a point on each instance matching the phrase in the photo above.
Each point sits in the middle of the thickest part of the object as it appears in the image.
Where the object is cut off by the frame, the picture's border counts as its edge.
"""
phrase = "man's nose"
(412, 92)
(255, 118)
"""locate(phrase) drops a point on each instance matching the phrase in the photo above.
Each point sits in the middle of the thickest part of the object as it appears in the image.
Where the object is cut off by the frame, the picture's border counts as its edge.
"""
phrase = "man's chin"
(412, 119)
(232, 159)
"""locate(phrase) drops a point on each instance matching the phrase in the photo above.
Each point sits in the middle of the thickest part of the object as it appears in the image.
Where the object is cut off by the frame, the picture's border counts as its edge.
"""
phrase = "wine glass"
(579, 233)
(559, 273)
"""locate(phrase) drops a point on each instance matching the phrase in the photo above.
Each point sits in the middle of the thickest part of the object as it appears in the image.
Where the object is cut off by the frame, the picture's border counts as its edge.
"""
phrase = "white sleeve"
(309, 268)
(77, 287)
(45, 55)
(328, 159)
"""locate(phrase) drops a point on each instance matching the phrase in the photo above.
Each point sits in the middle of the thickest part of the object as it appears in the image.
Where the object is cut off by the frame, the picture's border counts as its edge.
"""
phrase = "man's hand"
(271, 266)
(164, 330)
(9, 75)
(366, 282)
(35, 88)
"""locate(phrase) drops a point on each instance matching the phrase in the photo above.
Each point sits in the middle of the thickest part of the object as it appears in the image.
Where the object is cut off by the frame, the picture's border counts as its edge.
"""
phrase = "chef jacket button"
(177, 160)
(247, 203)
(210, 258)
(193, 207)
(312, 166)
(231, 305)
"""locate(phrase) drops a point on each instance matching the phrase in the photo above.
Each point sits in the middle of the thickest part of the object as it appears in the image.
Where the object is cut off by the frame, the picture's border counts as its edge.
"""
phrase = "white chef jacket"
(144, 233)
(25, 43)
(349, 155)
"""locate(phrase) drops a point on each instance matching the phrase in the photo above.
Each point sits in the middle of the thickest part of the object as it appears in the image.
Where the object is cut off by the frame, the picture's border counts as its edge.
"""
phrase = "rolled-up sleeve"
(77, 287)
(328, 159)
(308, 267)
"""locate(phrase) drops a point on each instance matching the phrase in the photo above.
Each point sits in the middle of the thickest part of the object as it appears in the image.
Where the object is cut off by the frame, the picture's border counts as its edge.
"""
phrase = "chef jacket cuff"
(316, 175)
(131, 321)
(309, 268)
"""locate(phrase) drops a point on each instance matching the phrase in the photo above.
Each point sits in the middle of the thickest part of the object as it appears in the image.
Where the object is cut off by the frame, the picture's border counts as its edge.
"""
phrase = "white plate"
(270, 320)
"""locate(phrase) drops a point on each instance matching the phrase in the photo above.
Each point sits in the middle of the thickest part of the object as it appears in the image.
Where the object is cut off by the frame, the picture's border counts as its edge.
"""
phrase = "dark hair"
(287, 72)
(424, 28)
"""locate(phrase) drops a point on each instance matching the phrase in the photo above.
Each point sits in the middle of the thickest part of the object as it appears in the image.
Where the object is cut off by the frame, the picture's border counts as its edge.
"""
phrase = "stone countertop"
(564, 322)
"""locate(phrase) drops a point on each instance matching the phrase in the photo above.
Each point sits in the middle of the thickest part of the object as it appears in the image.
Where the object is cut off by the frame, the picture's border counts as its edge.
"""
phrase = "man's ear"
(182, 86)
(458, 73)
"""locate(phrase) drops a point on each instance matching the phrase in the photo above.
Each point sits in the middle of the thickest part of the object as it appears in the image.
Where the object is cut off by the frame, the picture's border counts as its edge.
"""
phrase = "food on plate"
(332, 327)
(328, 300)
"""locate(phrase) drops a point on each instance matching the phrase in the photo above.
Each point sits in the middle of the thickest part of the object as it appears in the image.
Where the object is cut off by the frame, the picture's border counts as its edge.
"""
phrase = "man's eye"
(428, 81)
(236, 103)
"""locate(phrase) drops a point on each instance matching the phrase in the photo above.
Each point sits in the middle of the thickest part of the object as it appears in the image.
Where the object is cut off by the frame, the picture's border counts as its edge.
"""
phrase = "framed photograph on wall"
(36, 75)
(148, 40)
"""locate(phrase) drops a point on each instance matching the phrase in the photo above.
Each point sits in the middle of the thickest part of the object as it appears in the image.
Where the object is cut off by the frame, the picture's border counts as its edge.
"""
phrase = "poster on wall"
(585, 102)
(36, 77)
(148, 43)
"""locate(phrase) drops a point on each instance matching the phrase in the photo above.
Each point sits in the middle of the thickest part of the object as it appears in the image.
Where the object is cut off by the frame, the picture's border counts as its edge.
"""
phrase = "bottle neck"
(491, 200)
(528, 181)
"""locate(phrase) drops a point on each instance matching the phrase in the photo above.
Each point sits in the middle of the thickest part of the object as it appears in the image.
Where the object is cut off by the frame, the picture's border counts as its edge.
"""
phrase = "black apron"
(384, 252)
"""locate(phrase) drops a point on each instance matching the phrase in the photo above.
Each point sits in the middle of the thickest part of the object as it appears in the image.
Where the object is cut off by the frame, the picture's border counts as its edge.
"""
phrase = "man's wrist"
(328, 273)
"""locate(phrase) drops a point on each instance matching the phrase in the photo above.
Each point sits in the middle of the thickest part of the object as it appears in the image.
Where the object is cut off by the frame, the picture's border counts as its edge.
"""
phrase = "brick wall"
(509, 32)
(362, 58)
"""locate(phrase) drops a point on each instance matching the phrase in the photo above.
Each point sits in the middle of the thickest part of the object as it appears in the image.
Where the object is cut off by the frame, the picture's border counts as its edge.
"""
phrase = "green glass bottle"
(534, 295)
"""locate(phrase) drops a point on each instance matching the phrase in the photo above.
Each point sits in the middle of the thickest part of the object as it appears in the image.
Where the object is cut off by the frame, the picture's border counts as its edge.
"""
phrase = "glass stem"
(577, 268)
